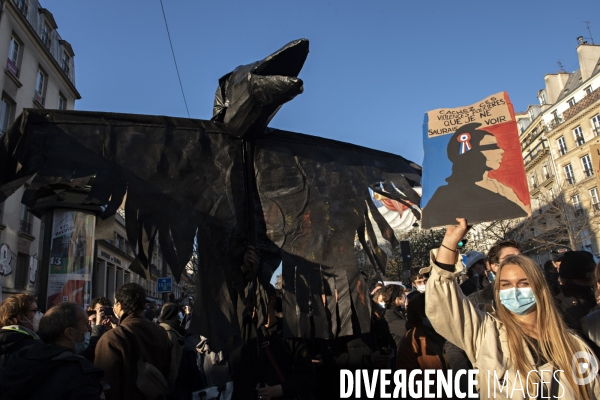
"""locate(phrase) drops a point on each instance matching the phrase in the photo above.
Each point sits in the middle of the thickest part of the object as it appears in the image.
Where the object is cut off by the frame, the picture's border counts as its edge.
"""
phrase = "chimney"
(555, 83)
(588, 55)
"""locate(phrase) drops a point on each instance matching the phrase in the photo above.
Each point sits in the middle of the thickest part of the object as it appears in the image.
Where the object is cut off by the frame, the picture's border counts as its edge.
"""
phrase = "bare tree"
(560, 220)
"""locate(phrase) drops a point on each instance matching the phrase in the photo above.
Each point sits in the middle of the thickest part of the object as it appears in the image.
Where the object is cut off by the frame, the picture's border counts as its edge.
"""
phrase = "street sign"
(164, 285)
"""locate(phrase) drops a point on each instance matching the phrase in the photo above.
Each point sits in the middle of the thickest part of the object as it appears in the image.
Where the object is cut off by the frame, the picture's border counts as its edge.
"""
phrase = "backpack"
(150, 381)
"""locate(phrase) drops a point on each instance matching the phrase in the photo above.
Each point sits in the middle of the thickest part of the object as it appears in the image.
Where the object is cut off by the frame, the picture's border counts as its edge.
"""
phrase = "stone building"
(39, 73)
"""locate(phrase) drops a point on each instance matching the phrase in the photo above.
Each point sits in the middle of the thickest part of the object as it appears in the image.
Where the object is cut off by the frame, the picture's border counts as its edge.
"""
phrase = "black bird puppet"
(224, 184)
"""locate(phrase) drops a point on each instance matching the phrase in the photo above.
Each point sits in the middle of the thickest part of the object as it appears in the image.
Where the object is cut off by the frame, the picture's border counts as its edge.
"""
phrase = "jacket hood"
(10, 336)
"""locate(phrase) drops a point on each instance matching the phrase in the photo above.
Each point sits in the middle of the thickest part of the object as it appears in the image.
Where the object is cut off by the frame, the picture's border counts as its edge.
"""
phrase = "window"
(576, 201)
(588, 90)
(586, 162)
(14, 49)
(546, 171)
(586, 240)
(6, 109)
(572, 102)
(46, 35)
(596, 124)
(562, 146)
(578, 134)
(542, 98)
(62, 102)
(40, 86)
(25, 226)
(64, 62)
(595, 200)
(533, 180)
(23, 6)
(569, 174)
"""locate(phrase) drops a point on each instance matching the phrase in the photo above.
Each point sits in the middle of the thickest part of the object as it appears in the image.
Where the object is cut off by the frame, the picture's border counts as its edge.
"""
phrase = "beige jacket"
(483, 337)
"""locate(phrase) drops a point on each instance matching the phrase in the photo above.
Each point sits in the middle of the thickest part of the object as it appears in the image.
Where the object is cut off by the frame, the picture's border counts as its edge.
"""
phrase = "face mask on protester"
(421, 288)
(517, 300)
(36, 321)
(81, 346)
(491, 276)
(382, 304)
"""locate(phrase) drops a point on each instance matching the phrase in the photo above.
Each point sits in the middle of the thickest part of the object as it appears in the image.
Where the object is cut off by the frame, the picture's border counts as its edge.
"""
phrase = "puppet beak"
(250, 96)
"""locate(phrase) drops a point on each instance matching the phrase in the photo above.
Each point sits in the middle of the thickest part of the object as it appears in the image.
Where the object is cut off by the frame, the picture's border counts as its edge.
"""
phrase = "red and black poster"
(473, 166)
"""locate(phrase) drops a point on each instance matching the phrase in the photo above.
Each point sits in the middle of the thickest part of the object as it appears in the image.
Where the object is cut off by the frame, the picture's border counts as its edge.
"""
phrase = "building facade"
(555, 138)
(39, 73)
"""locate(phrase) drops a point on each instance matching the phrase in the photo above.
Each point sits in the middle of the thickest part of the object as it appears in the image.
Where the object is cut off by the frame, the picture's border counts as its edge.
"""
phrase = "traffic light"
(462, 244)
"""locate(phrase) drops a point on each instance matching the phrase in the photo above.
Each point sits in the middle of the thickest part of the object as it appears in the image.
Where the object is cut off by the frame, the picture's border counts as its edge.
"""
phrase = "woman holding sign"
(524, 345)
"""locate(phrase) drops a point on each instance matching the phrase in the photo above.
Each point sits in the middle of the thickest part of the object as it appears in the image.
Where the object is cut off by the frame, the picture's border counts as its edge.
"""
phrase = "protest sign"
(473, 166)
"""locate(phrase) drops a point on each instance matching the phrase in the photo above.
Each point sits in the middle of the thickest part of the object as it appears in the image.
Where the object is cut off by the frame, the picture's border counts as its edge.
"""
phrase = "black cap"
(559, 252)
(576, 265)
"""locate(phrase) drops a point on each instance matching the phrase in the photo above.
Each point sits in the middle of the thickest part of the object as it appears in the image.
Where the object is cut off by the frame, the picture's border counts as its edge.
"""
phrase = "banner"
(71, 257)
(473, 166)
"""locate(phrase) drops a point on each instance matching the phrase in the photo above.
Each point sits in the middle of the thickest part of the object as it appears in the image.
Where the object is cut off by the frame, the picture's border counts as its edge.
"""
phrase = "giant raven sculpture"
(302, 200)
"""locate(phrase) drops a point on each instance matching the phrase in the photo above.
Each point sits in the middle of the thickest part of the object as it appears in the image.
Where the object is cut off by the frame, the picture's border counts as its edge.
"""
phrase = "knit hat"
(472, 257)
(576, 265)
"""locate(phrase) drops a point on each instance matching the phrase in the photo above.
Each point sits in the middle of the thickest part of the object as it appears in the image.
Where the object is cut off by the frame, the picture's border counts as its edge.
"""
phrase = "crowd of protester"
(498, 311)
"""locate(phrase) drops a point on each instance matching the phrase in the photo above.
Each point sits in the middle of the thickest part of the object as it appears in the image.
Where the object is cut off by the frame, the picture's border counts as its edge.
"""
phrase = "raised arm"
(451, 313)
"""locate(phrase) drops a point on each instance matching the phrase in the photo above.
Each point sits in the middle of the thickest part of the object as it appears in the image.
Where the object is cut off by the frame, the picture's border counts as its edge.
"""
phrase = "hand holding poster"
(473, 166)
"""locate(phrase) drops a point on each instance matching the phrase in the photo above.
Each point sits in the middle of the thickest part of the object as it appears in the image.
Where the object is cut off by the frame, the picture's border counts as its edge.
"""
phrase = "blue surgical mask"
(80, 347)
(491, 276)
(517, 300)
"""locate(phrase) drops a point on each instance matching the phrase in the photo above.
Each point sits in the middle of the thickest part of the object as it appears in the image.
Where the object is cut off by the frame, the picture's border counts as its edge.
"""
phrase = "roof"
(573, 83)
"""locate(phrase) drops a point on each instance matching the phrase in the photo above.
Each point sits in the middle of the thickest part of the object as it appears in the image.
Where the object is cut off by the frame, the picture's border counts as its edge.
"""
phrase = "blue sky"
(374, 69)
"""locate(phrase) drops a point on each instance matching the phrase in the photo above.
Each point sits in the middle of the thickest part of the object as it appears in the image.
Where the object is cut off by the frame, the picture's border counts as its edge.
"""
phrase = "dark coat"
(114, 355)
(13, 338)
(574, 302)
(42, 371)
(397, 324)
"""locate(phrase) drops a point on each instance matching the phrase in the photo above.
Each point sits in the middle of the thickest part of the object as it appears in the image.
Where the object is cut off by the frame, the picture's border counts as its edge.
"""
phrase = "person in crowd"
(527, 332)
(169, 320)
(418, 280)
(99, 322)
(575, 294)
(422, 348)
(19, 320)
(378, 287)
(119, 350)
(54, 370)
(495, 256)
(557, 255)
(394, 298)
(590, 324)
(285, 364)
(475, 266)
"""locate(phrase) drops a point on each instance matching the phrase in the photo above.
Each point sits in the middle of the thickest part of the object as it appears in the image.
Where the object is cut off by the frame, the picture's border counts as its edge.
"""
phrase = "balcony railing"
(588, 172)
(537, 150)
(47, 41)
(553, 123)
(25, 227)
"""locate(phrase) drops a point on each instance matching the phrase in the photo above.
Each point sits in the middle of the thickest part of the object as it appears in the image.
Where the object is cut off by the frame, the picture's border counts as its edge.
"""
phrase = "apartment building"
(555, 136)
(39, 73)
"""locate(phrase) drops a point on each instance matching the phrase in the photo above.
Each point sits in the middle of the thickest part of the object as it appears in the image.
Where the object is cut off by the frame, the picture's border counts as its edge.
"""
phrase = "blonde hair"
(557, 343)
(13, 306)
